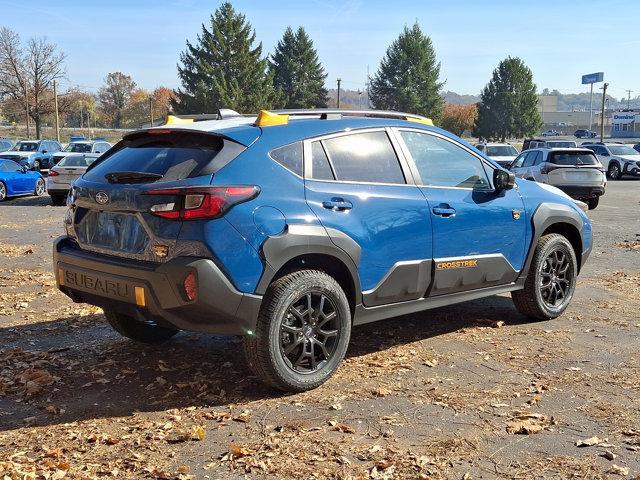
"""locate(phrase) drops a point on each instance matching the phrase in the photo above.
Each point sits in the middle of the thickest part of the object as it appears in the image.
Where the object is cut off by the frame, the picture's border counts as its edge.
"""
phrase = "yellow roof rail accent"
(173, 120)
(268, 119)
(426, 121)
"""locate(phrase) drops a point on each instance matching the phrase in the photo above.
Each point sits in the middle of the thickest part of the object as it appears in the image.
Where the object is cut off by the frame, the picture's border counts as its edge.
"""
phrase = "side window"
(320, 168)
(443, 163)
(364, 157)
(104, 147)
(603, 151)
(530, 159)
(538, 158)
(290, 157)
(517, 163)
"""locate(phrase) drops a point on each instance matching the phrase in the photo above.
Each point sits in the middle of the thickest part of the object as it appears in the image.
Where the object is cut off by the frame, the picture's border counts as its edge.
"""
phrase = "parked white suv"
(618, 159)
(575, 171)
(502, 153)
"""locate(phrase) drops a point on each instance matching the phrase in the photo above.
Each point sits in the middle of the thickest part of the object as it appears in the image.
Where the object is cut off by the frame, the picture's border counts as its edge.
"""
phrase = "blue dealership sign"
(592, 78)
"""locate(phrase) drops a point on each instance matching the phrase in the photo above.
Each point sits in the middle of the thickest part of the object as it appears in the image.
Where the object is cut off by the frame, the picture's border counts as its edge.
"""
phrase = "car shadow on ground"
(27, 201)
(101, 375)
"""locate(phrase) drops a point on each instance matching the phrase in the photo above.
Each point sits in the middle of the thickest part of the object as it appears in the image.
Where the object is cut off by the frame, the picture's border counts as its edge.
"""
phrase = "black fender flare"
(298, 240)
(546, 215)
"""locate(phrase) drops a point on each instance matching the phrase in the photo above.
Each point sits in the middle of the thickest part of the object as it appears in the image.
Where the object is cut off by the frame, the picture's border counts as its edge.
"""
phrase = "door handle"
(337, 204)
(444, 211)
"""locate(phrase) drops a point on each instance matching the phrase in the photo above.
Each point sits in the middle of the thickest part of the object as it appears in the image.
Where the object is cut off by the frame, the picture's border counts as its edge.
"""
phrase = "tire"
(282, 351)
(40, 188)
(3, 191)
(613, 172)
(58, 200)
(534, 301)
(36, 165)
(593, 203)
(143, 332)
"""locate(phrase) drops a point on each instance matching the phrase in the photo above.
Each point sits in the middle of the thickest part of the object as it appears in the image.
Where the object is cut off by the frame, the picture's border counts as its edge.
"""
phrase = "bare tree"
(114, 96)
(27, 75)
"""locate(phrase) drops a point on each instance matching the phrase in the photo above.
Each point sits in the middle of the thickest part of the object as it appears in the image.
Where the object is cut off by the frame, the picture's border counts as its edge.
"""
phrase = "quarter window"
(320, 168)
(290, 157)
(443, 163)
(364, 157)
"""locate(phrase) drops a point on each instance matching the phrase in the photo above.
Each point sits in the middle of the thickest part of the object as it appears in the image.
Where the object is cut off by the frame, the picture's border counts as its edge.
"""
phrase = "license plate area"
(102, 285)
(121, 232)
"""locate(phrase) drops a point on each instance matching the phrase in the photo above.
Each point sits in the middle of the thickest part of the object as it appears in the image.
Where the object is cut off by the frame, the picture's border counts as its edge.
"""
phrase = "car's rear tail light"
(195, 203)
(190, 285)
(53, 173)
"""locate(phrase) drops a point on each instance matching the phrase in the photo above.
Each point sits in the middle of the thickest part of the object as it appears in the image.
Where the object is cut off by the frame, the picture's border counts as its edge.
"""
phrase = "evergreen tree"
(297, 73)
(408, 77)
(224, 69)
(508, 104)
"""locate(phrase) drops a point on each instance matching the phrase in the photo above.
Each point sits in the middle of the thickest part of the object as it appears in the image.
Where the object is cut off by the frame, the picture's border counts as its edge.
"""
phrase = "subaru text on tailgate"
(292, 227)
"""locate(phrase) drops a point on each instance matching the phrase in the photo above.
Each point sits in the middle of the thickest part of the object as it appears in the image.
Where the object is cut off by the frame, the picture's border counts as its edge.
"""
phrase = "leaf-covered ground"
(467, 391)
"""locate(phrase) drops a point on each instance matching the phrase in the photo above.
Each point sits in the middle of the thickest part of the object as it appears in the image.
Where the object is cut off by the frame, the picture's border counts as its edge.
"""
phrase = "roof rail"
(268, 117)
(222, 114)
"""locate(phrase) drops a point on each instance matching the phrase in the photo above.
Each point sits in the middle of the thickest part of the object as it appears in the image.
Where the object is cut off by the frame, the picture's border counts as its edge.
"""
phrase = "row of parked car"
(22, 165)
(581, 172)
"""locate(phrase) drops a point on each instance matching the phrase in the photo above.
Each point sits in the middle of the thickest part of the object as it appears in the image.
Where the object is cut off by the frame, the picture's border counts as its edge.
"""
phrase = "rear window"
(174, 156)
(75, 161)
(501, 151)
(572, 158)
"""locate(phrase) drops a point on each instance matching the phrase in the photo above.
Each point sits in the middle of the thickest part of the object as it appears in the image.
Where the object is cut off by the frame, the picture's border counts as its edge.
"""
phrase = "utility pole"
(368, 83)
(628, 98)
(151, 109)
(604, 95)
(591, 108)
(55, 103)
(338, 100)
(26, 111)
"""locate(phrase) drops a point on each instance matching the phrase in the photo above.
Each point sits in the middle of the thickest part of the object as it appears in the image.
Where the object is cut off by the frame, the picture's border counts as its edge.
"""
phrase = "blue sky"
(559, 40)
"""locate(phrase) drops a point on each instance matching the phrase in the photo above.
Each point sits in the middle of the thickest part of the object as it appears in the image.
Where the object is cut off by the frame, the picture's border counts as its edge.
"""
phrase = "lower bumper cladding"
(157, 291)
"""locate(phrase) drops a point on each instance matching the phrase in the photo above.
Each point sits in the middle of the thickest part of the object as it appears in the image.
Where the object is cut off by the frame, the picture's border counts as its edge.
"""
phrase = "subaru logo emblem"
(102, 198)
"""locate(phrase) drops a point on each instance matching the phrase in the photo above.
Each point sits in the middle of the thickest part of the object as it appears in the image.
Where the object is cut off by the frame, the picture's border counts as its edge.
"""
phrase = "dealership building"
(625, 124)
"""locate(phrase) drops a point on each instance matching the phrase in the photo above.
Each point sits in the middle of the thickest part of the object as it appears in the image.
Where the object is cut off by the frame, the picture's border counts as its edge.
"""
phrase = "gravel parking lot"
(468, 391)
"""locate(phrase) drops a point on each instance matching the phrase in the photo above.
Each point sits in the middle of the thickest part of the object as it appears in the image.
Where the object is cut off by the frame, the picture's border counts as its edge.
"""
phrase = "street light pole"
(629, 99)
(604, 95)
(591, 108)
(55, 103)
(338, 99)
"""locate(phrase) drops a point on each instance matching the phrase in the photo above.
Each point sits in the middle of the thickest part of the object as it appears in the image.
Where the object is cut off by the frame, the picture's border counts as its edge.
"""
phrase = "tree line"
(225, 68)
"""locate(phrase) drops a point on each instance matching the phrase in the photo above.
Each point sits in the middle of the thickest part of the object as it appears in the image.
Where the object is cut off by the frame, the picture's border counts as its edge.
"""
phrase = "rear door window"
(320, 168)
(531, 157)
(170, 156)
(364, 157)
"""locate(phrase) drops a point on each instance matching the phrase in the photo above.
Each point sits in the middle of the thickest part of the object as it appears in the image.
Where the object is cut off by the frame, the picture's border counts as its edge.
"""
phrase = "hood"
(629, 158)
(14, 153)
(503, 158)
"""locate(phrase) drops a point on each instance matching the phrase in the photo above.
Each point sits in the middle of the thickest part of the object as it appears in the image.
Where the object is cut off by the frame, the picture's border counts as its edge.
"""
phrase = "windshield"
(622, 150)
(78, 148)
(561, 144)
(75, 161)
(501, 151)
(26, 147)
(572, 158)
(171, 156)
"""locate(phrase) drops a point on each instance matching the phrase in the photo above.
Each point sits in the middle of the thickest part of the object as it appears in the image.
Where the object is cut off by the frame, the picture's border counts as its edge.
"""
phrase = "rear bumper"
(580, 191)
(154, 291)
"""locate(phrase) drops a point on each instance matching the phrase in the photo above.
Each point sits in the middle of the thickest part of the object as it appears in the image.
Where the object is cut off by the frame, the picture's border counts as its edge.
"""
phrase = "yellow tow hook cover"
(425, 121)
(269, 119)
(173, 120)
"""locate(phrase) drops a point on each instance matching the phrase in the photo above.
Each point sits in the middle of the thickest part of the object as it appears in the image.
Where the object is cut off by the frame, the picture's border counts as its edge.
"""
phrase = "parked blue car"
(292, 227)
(35, 154)
(17, 180)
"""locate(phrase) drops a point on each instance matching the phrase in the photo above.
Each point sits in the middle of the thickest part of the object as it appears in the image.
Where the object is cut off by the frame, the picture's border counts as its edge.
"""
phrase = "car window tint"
(364, 157)
(531, 156)
(290, 157)
(443, 163)
(320, 168)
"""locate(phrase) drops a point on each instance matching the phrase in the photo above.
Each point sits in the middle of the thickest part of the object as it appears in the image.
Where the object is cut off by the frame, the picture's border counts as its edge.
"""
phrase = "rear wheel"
(40, 187)
(551, 281)
(3, 191)
(593, 203)
(614, 171)
(302, 333)
(140, 331)
(58, 200)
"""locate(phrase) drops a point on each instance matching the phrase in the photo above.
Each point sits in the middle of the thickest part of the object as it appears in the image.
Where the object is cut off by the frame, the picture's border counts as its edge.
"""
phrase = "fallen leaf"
(618, 470)
(344, 428)
(589, 442)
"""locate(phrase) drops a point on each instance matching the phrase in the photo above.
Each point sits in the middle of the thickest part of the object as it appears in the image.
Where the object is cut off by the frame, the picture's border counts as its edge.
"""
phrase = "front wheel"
(302, 333)
(551, 280)
(40, 187)
(593, 203)
(140, 331)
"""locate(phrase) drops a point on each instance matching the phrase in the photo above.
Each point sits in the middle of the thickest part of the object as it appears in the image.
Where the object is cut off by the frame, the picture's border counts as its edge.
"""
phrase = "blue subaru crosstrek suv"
(291, 227)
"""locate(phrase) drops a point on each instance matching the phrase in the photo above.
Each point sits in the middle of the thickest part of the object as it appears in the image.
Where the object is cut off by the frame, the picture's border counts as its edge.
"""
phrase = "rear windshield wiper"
(132, 177)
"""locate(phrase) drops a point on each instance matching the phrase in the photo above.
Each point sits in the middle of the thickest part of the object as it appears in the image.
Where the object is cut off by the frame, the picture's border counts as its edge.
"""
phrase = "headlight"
(581, 205)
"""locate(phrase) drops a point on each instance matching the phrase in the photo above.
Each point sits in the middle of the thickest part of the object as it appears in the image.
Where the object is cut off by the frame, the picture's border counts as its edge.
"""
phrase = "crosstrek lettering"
(457, 264)
(106, 287)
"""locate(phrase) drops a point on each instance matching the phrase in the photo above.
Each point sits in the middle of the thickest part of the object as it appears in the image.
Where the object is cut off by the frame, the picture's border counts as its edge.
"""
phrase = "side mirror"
(503, 180)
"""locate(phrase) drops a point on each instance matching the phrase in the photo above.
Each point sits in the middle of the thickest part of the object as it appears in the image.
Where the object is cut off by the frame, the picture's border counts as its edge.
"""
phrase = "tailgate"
(587, 176)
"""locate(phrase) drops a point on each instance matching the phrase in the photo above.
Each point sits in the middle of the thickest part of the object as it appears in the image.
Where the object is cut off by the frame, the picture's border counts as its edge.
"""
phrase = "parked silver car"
(64, 173)
(93, 148)
(575, 171)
